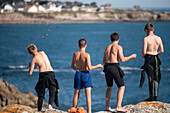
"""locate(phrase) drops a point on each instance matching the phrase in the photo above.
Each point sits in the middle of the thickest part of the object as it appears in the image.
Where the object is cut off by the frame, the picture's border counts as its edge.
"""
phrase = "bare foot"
(108, 109)
(121, 109)
(50, 107)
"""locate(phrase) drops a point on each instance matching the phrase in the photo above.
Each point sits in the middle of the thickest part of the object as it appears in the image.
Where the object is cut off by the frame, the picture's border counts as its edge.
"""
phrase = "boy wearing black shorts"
(113, 53)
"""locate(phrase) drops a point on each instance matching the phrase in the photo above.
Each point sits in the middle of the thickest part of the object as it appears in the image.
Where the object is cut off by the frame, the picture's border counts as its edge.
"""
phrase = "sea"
(60, 41)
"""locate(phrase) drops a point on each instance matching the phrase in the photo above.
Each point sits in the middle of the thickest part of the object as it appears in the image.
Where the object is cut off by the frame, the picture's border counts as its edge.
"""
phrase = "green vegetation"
(9, 1)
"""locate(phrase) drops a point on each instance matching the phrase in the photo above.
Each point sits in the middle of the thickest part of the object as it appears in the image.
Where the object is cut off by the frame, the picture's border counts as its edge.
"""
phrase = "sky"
(129, 3)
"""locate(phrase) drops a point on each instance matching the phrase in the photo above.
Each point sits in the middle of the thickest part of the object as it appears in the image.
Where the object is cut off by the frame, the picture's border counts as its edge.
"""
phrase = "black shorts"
(112, 72)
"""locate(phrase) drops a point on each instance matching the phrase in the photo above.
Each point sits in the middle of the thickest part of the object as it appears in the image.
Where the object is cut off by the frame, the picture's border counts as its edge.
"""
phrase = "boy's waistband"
(112, 64)
(45, 72)
(82, 71)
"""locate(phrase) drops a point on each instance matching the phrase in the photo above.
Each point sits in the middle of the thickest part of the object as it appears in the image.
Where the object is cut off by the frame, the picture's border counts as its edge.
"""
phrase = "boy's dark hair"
(82, 42)
(148, 27)
(114, 37)
(32, 48)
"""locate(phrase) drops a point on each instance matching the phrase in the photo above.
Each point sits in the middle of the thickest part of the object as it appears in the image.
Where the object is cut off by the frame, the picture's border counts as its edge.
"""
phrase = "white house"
(75, 8)
(35, 9)
(7, 8)
(54, 8)
(108, 7)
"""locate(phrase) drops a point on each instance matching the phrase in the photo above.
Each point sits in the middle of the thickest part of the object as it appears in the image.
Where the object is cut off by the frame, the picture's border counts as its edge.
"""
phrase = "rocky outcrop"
(142, 107)
(17, 108)
(84, 17)
(9, 94)
(146, 107)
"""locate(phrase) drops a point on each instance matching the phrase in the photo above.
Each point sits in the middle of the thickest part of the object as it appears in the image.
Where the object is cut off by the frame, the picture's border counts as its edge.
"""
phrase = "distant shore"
(85, 17)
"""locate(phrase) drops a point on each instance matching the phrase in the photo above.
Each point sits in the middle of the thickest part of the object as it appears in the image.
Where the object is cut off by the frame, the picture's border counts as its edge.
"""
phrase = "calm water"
(59, 45)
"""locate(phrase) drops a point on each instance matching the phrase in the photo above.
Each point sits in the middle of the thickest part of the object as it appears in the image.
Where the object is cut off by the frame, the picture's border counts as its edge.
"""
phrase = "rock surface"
(86, 17)
(9, 94)
(142, 107)
(146, 107)
(17, 108)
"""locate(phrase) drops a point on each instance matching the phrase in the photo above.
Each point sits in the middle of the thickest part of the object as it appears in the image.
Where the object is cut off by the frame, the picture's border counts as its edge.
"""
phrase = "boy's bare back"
(112, 53)
(42, 62)
(152, 43)
(80, 59)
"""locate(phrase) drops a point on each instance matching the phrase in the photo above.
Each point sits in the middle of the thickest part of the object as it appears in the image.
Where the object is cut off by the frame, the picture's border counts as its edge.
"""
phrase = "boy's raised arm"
(73, 63)
(124, 59)
(31, 67)
(90, 67)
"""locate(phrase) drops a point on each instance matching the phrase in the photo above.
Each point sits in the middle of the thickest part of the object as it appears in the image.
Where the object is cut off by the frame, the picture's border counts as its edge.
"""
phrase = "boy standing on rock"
(46, 76)
(82, 77)
(150, 52)
(113, 53)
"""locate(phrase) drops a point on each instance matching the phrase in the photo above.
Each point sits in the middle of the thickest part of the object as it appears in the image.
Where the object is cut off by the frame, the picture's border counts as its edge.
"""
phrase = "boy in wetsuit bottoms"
(113, 53)
(150, 52)
(82, 77)
(46, 75)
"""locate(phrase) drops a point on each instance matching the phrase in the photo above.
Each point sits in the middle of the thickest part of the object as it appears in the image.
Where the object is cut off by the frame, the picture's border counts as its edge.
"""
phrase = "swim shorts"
(112, 71)
(82, 79)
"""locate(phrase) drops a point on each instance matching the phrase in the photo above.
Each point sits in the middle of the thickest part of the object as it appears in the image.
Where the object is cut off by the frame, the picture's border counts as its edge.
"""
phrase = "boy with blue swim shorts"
(82, 77)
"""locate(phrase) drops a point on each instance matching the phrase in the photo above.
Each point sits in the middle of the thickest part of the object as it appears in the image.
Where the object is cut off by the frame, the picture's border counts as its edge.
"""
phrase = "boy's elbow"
(29, 73)
(122, 60)
(72, 67)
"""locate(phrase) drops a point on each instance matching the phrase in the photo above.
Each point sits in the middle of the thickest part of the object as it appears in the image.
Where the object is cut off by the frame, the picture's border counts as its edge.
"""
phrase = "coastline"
(84, 17)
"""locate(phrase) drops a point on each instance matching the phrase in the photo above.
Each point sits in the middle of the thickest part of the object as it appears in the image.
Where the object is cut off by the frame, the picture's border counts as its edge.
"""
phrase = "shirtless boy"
(113, 53)
(150, 52)
(82, 77)
(46, 74)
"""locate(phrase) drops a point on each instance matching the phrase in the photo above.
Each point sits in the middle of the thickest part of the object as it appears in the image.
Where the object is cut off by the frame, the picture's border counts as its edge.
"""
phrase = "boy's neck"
(35, 54)
(82, 49)
(115, 42)
(151, 33)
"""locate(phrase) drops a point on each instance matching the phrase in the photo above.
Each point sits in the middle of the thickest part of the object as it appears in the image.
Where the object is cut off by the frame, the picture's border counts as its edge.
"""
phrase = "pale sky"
(129, 3)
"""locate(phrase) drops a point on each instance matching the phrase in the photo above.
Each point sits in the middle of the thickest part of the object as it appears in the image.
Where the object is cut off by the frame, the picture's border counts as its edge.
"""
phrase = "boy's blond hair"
(32, 48)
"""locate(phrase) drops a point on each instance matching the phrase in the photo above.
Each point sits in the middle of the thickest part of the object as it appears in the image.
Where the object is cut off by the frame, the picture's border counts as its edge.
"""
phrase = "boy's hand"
(134, 56)
(100, 66)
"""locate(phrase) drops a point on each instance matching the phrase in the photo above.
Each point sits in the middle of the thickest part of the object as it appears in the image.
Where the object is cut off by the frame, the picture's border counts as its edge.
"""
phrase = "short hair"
(82, 42)
(114, 37)
(32, 48)
(149, 27)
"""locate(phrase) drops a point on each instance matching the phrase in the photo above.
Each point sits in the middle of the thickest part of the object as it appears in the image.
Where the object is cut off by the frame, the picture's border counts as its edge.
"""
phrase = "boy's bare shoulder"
(75, 53)
(159, 38)
(42, 52)
(119, 46)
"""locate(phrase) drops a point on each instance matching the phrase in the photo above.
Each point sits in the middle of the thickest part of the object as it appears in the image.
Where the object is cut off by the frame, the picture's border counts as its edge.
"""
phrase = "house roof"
(29, 6)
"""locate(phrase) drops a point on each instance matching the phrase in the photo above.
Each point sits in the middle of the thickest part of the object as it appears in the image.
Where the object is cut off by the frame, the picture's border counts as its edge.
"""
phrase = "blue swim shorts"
(82, 79)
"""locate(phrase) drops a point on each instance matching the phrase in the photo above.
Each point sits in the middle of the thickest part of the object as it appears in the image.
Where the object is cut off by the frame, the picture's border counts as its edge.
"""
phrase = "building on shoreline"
(31, 6)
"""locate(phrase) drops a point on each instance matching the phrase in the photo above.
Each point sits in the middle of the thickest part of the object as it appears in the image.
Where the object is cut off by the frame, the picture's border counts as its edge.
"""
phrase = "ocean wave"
(17, 67)
(125, 72)
(126, 69)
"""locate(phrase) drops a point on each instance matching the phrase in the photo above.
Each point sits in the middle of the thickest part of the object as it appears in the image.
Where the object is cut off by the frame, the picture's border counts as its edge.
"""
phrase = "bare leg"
(88, 98)
(76, 97)
(120, 98)
(108, 97)
(50, 106)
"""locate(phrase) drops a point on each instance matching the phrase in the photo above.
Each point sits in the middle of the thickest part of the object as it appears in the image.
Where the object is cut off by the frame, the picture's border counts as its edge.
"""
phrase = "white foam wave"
(131, 68)
(125, 72)
(127, 69)
(17, 67)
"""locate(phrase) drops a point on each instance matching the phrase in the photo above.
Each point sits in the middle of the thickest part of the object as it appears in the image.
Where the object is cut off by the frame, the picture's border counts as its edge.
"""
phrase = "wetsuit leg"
(157, 76)
(52, 90)
(40, 99)
(40, 102)
(149, 71)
